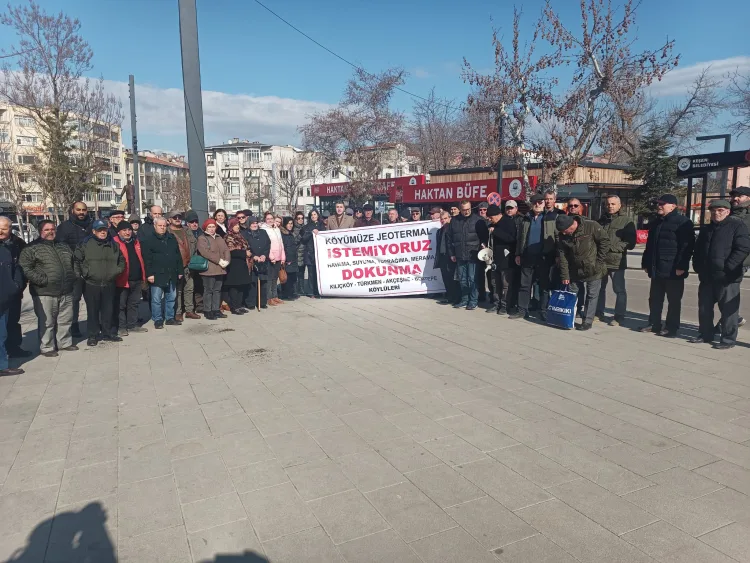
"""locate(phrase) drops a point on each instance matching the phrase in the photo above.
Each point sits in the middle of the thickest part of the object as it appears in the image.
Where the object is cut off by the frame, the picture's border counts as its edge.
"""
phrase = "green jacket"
(621, 232)
(743, 214)
(549, 234)
(48, 265)
(162, 258)
(583, 254)
(98, 262)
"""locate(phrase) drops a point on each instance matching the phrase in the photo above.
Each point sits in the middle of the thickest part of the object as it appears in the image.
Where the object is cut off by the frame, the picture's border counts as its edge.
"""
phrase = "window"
(116, 168)
(234, 188)
(235, 206)
(118, 184)
(399, 172)
(105, 195)
(26, 141)
(309, 173)
(4, 136)
(284, 174)
(230, 157)
(413, 169)
(210, 174)
(387, 174)
(335, 173)
(4, 156)
(115, 151)
(26, 159)
(32, 197)
(115, 137)
(267, 156)
(23, 178)
(252, 155)
(88, 196)
(212, 206)
(105, 180)
(308, 192)
(101, 130)
(211, 188)
(24, 121)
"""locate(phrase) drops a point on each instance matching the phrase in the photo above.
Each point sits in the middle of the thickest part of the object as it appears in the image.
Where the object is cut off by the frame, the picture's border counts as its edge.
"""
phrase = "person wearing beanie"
(722, 247)
(404, 216)
(465, 236)
(367, 219)
(213, 248)
(129, 283)
(504, 233)
(582, 247)
(135, 224)
(666, 260)
(484, 279)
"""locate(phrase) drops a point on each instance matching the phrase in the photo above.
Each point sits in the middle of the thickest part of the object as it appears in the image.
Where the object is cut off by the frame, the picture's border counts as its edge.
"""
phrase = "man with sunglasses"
(621, 232)
(194, 229)
(536, 249)
(666, 260)
(416, 215)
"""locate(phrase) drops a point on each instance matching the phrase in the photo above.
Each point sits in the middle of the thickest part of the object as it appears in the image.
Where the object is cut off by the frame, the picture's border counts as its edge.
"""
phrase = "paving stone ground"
(385, 430)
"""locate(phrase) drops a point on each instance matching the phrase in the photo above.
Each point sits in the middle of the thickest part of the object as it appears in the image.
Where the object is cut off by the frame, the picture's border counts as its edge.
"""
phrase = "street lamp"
(724, 173)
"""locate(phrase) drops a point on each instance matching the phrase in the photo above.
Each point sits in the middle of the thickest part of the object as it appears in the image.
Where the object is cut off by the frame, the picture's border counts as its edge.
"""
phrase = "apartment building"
(20, 150)
(164, 179)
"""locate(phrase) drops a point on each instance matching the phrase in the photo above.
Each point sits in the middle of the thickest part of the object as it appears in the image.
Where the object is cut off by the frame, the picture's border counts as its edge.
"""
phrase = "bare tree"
(515, 92)
(606, 74)
(74, 116)
(739, 102)
(175, 192)
(348, 136)
(434, 132)
(294, 174)
(13, 177)
(478, 134)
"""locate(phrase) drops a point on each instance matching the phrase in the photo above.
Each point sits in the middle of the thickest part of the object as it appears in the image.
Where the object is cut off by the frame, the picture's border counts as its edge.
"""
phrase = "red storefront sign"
(383, 187)
(472, 190)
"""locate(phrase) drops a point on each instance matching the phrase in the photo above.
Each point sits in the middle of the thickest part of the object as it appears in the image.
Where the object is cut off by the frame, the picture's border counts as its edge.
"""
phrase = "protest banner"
(377, 261)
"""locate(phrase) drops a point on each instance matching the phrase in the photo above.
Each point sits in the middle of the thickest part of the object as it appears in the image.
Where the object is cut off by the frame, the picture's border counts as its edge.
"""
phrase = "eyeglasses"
(241, 217)
(538, 203)
(574, 205)
(191, 222)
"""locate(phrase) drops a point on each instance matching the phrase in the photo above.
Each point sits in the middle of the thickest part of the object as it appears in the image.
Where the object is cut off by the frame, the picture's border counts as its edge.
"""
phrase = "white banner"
(378, 261)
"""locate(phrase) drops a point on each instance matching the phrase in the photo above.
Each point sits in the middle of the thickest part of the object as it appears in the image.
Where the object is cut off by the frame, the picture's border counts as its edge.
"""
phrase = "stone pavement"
(384, 430)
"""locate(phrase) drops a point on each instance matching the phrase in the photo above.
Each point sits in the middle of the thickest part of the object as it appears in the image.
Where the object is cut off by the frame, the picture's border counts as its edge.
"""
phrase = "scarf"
(235, 241)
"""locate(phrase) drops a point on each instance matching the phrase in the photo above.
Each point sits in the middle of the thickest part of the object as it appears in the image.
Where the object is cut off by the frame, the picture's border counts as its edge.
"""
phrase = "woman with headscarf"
(220, 216)
(213, 248)
(237, 280)
(276, 257)
(313, 226)
(290, 250)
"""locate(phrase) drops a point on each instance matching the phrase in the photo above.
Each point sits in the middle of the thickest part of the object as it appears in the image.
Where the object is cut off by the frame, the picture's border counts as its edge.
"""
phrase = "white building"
(164, 179)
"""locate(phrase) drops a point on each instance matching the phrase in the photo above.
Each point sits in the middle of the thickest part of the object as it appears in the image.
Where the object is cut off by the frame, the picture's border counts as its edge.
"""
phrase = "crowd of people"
(548, 249)
(183, 269)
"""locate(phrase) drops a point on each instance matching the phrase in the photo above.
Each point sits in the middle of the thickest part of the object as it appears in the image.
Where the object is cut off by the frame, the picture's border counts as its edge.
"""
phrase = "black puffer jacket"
(306, 238)
(742, 212)
(669, 246)
(162, 258)
(260, 245)
(72, 232)
(720, 251)
(11, 277)
(442, 255)
(504, 237)
(98, 262)
(465, 236)
(290, 251)
(48, 265)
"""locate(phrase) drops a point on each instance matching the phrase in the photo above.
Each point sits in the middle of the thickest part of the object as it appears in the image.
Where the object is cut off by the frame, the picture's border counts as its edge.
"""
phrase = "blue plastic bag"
(561, 311)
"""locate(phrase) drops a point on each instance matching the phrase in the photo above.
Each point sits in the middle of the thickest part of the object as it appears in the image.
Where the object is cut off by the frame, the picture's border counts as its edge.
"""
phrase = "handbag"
(199, 263)
(561, 311)
(282, 274)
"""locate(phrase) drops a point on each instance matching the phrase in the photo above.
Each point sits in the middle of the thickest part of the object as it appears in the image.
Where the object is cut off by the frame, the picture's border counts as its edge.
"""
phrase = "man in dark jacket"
(466, 235)
(740, 199)
(129, 282)
(164, 270)
(188, 245)
(536, 250)
(48, 265)
(666, 260)
(193, 224)
(11, 286)
(504, 236)
(147, 229)
(98, 261)
(72, 232)
(114, 218)
(722, 247)
(299, 223)
(392, 217)
(444, 262)
(582, 248)
(260, 247)
(16, 245)
(367, 219)
(621, 232)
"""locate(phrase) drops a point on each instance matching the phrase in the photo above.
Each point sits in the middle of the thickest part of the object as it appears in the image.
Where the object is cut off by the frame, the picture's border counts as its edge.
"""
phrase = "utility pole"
(133, 130)
(191, 80)
(500, 141)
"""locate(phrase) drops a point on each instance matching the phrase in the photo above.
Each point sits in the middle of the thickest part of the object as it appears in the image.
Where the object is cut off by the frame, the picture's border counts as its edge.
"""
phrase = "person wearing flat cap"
(582, 248)
(722, 247)
(503, 234)
(740, 200)
(367, 219)
(666, 260)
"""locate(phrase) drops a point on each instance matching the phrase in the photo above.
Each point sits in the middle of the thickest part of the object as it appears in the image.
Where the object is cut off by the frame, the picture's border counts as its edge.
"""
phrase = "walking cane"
(259, 294)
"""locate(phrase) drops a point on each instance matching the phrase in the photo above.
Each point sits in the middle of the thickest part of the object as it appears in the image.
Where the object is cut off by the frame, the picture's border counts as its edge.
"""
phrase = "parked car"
(30, 232)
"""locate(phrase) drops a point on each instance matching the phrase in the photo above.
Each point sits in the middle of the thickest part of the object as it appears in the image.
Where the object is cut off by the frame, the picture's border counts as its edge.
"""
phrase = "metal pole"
(689, 205)
(734, 177)
(134, 132)
(703, 198)
(500, 139)
(725, 172)
(191, 80)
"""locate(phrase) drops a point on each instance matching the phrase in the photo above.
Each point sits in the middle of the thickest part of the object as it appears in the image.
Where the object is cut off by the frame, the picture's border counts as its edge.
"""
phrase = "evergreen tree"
(656, 168)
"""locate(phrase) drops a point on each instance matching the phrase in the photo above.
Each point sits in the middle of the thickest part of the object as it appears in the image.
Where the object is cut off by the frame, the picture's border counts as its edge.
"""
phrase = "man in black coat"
(15, 335)
(466, 235)
(722, 247)
(164, 270)
(504, 235)
(666, 260)
(72, 232)
(11, 286)
(444, 262)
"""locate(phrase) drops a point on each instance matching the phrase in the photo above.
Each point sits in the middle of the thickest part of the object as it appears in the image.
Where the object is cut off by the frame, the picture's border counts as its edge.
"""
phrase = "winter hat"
(740, 190)
(719, 204)
(404, 214)
(191, 216)
(135, 219)
(536, 197)
(564, 222)
(667, 198)
(122, 225)
(510, 203)
(99, 224)
(493, 210)
(349, 211)
(367, 207)
(208, 222)
(483, 205)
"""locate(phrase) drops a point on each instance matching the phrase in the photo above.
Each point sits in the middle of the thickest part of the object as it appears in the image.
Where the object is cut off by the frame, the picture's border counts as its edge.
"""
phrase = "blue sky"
(261, 78)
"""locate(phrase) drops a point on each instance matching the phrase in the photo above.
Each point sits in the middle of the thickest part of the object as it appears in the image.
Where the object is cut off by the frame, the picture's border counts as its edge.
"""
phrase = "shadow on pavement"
(81, 536)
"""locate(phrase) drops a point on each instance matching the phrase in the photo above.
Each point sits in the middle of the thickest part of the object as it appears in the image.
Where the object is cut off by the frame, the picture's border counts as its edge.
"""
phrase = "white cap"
(511, 203)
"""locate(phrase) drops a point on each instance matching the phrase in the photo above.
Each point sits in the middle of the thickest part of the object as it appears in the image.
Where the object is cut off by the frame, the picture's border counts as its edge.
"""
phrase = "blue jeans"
(158, 295)
(466, 270)
(3, 338)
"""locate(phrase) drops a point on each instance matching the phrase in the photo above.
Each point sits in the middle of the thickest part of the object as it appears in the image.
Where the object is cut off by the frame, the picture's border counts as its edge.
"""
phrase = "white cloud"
(161, 116)
(421, 73)
(678, 81)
